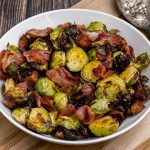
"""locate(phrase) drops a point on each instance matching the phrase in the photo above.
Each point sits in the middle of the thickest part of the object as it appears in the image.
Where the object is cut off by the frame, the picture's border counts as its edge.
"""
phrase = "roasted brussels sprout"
(39, 120)
(87, 72)
(38, 67)
(110, 87)
(104, 126)
(96, 26)
(92, 54)
(142, 61)
(76, 59)
(130, 76)
(60, 100)
(12, 48)
(39, 44)
(100, 106)
(21, 115)
(45, 87)
(58, 59)
(9, 83)
(68, 122)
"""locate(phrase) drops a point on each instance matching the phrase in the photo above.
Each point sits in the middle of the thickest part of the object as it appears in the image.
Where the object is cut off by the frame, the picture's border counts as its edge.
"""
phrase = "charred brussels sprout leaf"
(21, 115)
(39, 44)
(104, 126)
(9, 83)
(12, 48)
(130, 76)
(60, 100)
(92, 54)
(96, 26)
(39, 120)
(58, 59)
(87, 72)
(38, 67)
(45, 87)
(70, 123)
(76, 59)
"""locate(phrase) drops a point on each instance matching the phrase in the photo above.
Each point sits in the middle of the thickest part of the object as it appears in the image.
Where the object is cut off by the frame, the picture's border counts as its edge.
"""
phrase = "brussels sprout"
(104, 126)
(76, 59)
(12, 48)
(39, 120)
(87, 72)
(39, 44)
(45, 87)
(100, 106)
(113, 31)
(110, 87)
(60, 100)
(142, 61)
(38, 67)
(68, 122)
(58, 59)
(130, 76)
(92, 54)
(21, 115)
(96, 26)
(9, 83)
(117, 53)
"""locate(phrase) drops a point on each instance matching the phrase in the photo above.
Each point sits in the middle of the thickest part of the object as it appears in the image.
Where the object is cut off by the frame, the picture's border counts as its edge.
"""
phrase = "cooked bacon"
(108, 63)
(59, 134)
(36, 97)
(67, 89)
(23, 42)
(23, 86)
(39, 56)
(128, 50)
(101, 53)
(85, 114)
(38, 33)
(68, 110)
(65, 25)
(3, 60)
(116, 113)
(61, 76)
(100, 71)
(3, 75)
(136, 107)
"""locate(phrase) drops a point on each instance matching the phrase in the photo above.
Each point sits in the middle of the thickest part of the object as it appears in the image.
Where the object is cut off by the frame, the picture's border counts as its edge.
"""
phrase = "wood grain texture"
(12, 12)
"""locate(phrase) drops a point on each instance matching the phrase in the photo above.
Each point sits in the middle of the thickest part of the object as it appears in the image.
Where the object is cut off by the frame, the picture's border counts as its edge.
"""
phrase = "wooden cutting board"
(137, 138)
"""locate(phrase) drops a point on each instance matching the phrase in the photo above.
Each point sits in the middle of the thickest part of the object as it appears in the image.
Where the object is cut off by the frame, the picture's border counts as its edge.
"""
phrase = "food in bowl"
(73, 82)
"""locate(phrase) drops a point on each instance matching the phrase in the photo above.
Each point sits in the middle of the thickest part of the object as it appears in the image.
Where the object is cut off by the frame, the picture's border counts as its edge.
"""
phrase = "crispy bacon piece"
(100, 71)
(68, 110)
(136, 107)
(23, 86)
(61, 76)
(39, 33)
(128, 50)
(3, 75)
(39, 56)
(67, 89)
(36, 97)
(85, 114)
(3, 60)
(23, 42)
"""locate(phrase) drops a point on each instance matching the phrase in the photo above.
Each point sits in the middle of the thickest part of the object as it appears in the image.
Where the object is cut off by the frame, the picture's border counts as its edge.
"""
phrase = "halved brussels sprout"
(110, 87)
(96, 26)
(130, 76)
(9, 83)
(92, 54)
(68, 122)
(87, 72)
(100, 106)
(39, 120)
(21, 115)
(12, 48)
(45, 87)
(39, 44)
(58, 59)
(142, 61)
(60, 100)
(104, 126)
(76, 59)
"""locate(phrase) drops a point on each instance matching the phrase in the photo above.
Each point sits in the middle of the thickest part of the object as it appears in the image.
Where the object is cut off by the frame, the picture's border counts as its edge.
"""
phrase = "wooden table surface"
(13, 12)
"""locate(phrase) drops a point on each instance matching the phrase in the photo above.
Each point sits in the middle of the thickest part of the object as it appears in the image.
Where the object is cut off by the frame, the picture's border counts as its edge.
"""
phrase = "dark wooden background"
(14, 11)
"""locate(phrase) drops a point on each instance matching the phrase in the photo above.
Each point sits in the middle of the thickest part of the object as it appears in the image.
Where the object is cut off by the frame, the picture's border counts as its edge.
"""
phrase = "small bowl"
(81, 16)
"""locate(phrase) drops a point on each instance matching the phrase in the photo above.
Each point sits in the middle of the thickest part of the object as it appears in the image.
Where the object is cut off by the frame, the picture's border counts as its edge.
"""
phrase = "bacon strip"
(38, 33)
(23, 42)
(68, 110)
(3, 60)
(23, 86)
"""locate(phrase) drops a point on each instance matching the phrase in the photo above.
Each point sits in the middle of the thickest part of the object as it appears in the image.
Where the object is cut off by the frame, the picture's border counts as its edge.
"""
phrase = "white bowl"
(52, 19)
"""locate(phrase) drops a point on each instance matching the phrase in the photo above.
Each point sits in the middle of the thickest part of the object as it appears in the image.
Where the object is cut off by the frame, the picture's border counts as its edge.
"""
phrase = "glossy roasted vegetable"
(87, 72)
(39, 67)
(39, 120)
(76, 59)
(60, 100)
(68, 122)
(110, 87)
(92, 54)
(45, 87)
(96, 26)
(104, 126)
(130, 76)
(39, 44)
(100, 106)
(21, 115)
(9, 83)
(12, 48)
(58, 59)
